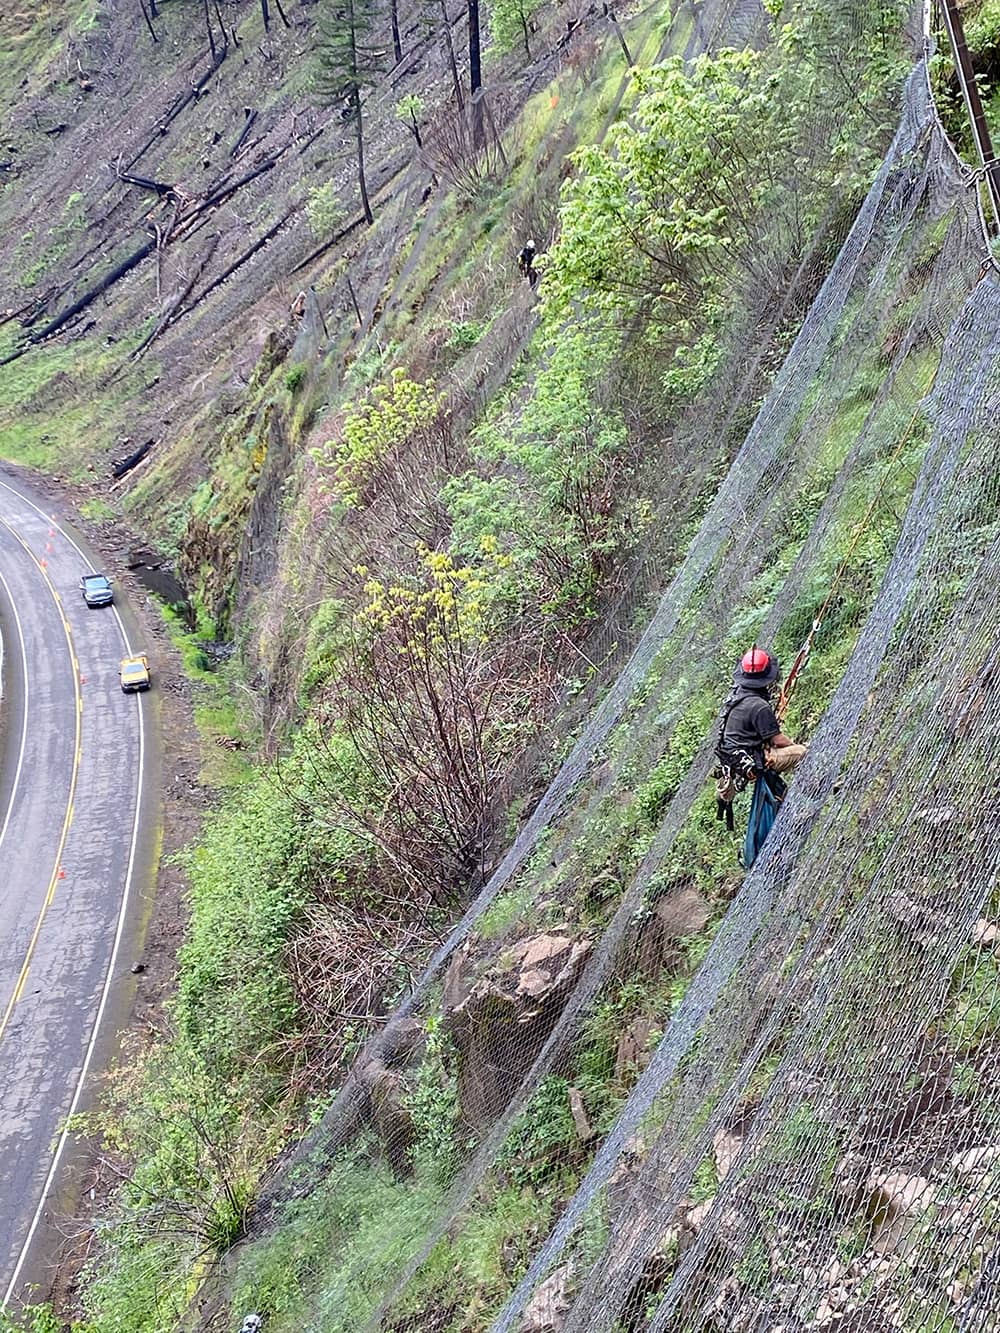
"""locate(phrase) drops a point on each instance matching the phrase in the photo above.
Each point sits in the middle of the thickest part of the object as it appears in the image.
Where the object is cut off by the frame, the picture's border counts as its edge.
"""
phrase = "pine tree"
(348, 63)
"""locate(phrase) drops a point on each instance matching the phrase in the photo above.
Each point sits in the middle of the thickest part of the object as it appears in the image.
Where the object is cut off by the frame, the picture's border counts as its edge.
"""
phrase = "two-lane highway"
(72, 808)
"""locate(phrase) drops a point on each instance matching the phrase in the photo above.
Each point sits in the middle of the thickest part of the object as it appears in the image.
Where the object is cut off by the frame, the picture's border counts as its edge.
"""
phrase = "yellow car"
(134, 673)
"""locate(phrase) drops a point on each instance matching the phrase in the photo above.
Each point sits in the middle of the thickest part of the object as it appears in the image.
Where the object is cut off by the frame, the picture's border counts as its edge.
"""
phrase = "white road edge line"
(24, 713)
(78, 1093)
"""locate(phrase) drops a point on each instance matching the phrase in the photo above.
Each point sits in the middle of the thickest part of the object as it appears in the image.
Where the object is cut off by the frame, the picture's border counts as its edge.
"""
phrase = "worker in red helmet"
(751, 738)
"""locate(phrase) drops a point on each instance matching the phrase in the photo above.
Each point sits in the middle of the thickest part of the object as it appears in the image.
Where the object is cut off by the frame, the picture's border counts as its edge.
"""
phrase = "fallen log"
(237, 263)
(29, 311)
(248, 126)
(160, 188)
(178, 105)
(91, 295)
(133, 459)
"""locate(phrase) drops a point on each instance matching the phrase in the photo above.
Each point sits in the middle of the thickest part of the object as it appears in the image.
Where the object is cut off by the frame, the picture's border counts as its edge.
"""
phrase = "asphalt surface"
(72, 805)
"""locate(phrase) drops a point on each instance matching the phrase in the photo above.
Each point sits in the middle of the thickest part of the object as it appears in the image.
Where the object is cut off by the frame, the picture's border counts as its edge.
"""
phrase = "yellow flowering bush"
(386, 420)
(447, 602)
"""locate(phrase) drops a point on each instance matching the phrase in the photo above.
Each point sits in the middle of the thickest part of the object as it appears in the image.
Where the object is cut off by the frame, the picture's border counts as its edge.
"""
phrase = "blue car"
(96, 589)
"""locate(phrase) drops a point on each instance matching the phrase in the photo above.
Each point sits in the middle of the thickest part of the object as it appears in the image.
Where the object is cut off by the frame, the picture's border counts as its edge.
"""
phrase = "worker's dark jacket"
(750, 723)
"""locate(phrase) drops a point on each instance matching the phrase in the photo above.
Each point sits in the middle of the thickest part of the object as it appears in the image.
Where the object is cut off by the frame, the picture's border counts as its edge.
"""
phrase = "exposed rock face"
(679, 913)
(636, 1044)
(373, 1095)
(727, 1144)
(500, 1021)
(546, 1312)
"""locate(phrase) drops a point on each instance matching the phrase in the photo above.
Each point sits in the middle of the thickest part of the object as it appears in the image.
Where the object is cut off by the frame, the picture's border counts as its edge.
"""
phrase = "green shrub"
(432, 1103)
(324, 212)
(295, 377)
(465, 334)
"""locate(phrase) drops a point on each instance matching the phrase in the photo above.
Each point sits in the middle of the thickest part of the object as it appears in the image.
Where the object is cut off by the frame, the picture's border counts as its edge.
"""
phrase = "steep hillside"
(432, 509)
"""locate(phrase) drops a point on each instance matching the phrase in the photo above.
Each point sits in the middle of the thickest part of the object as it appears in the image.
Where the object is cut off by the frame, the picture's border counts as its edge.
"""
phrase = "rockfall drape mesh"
(808, 1135)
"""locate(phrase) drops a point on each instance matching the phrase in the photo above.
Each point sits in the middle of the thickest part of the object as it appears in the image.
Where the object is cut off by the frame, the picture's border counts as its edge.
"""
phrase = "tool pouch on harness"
(734, 771)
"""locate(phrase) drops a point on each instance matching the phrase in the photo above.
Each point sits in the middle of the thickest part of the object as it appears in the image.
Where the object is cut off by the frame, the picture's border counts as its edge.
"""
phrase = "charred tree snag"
(449, 48)
(397, 46)
(149, 20)
(475, 75)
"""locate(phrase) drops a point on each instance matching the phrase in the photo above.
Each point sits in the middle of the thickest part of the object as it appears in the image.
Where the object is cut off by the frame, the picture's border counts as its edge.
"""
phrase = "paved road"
(72, 806)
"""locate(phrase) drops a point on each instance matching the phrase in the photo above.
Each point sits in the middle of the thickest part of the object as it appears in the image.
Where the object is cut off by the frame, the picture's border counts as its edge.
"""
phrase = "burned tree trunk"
(362, 181)
(149, 20)
(397, 46)
(449, 47)
(475, 75)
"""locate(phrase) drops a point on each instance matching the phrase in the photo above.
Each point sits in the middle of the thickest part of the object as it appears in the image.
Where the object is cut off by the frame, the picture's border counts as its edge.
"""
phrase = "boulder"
(896, 1203)
(986, 933)
(500, 1021)
(691, 1224)
(976, 1159)
(679, 913)
(636, 1044)
(386, 1090)
(727, 1146)
(937, 816)
(547, 1310)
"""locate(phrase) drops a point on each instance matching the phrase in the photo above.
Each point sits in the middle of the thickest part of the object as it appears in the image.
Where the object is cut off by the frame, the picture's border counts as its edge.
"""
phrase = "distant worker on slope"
(753, 748)
(526, 262)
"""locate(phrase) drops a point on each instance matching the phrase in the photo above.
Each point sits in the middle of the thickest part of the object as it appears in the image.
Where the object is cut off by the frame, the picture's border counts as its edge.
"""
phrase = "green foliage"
(505, 909)
(705, 1182)
(465, 334)
(669, 173)
(432, 1103)
(410, 110)
(561, 470)
(197, 1156)
(754, 1267)
(326, 641)
(295, 376)
(692, 367)
(38, 256)
(252, 872)
(324, 212)
(542, 1138)
(347, 56)
(96, 509)
(336, 1253)
(39, 1319)
(974, 1011)
(389, 417)
(510, 24)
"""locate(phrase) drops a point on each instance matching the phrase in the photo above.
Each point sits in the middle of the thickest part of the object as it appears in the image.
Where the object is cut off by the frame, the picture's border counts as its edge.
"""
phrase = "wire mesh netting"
(713, 1102)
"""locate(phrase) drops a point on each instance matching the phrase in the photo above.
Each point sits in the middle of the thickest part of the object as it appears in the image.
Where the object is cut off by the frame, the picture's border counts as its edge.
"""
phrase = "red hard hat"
(755, 661)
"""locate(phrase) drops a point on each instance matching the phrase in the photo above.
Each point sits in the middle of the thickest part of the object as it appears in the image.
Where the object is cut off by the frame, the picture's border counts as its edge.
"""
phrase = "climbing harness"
(736, 767)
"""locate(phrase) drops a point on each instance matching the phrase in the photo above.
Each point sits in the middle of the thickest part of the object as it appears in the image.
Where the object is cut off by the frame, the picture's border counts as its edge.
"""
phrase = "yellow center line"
(51, 893)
